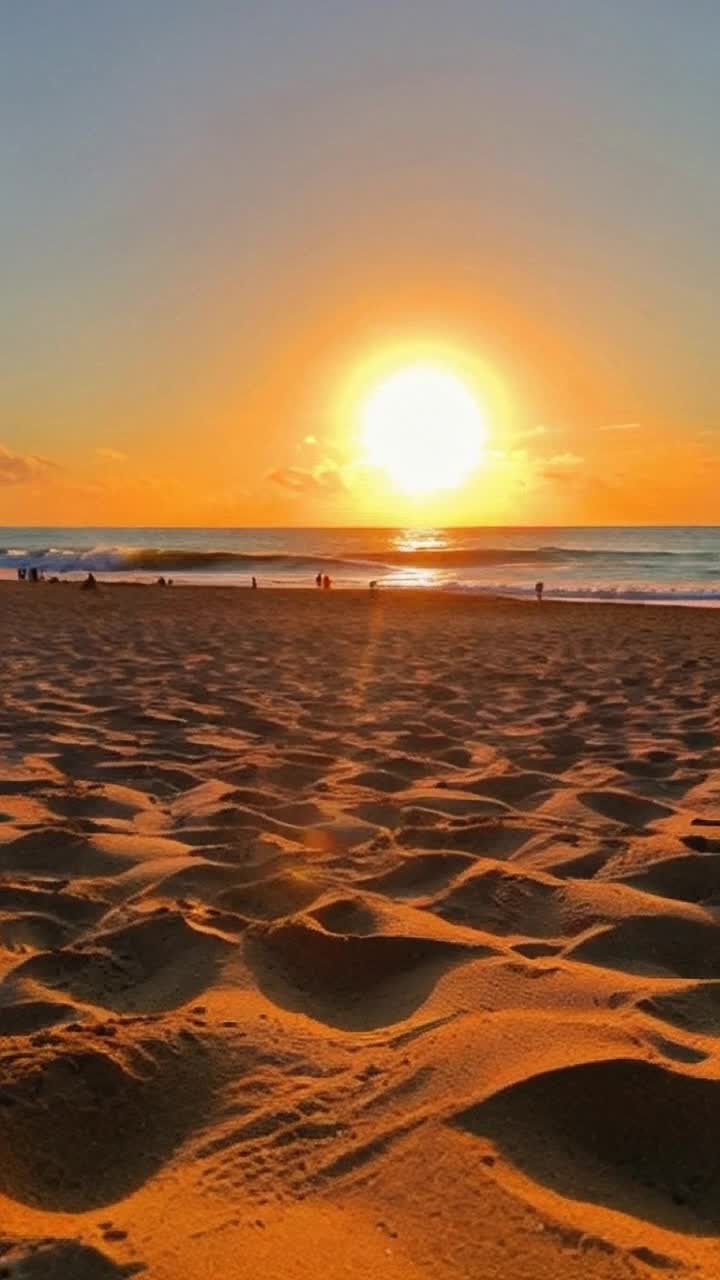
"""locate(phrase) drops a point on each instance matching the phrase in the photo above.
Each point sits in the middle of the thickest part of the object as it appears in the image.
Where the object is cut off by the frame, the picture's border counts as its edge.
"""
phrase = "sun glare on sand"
(423, 426)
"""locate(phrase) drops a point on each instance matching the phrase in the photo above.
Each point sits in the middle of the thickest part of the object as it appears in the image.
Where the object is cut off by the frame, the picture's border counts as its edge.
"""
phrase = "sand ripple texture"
(357, 935)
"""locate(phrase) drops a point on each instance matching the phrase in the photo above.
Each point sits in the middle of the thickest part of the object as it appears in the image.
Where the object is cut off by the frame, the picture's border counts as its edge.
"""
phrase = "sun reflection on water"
(420, 540)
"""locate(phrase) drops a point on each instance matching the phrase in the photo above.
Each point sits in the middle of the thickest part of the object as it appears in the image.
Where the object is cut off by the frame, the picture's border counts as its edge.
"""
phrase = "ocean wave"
(628, 593)
(537, 559)
(102, 559)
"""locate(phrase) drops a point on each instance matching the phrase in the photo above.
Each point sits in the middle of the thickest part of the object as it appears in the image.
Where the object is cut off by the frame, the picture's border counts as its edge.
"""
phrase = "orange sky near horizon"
(218, 228)
(280, 444)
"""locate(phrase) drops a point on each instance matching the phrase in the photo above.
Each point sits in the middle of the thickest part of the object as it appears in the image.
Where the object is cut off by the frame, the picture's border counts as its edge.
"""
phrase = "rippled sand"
(354, 934)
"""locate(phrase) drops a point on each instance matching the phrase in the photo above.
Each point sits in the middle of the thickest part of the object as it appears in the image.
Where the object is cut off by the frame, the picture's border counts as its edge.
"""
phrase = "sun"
(423, 426)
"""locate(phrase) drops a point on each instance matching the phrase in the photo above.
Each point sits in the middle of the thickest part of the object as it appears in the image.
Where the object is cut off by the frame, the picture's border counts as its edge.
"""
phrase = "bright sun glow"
(424, 427)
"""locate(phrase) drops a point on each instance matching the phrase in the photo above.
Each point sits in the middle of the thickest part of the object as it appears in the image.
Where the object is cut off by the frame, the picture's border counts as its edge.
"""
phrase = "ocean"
(656, 565)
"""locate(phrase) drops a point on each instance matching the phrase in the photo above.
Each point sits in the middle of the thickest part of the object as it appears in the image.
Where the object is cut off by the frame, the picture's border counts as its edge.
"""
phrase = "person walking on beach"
(539, 588)
(327, 583)
(253, 583)
(318, 580)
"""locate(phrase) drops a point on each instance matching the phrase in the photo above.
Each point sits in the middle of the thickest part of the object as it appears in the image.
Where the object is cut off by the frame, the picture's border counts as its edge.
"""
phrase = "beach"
(357, 933)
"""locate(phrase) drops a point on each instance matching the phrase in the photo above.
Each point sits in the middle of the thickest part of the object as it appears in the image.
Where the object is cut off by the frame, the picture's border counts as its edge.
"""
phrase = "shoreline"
(476, 598)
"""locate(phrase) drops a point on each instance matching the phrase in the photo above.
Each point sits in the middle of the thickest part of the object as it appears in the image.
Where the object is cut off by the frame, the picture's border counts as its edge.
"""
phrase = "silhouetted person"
(89, 584)
(33, 574)
(22, 575)
(319, 580)
(254, 583)
(326, 582)
(161, 582)
(373, 585)
(539, 588)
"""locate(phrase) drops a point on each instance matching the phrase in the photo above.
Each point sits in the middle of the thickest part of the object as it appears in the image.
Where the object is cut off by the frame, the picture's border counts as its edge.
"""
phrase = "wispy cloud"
(324, 478)
(111, 455)
(560, 466)
(26, 468)
(531, 433)
(621, 426)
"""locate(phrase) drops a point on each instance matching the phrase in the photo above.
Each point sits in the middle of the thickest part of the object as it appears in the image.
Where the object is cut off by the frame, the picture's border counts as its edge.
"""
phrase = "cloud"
(111, 455)
(560, 466)
(565, 461)
(324, 478)
(26, 468)
(532, 432)
(621, 426)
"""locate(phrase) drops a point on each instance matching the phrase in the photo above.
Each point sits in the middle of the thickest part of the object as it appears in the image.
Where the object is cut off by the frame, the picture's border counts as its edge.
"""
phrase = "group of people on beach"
(322, 581)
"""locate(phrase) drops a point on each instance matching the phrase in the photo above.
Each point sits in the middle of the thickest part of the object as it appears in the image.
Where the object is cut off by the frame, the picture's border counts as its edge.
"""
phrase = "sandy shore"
(346, 935)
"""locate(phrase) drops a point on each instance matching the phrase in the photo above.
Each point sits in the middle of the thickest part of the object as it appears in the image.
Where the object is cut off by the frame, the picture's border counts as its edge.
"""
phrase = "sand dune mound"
(490, 838)
(695, 1009)
(692, 877)
(156, 776)
(582, 867)
(317, 956)
(157, 963)
(512, 788)
(506, 899)
(133, 1103)
(205, 881)
(72, 909)
(626, 1134)
(419, 874)
(351, 980)
(62, 852)
(380, 780)
(347, 915)
(662, 945)
(59, 1260)
(25, 1016)
(32, 931)
(267, 899)
(625, 808)
(503, 901)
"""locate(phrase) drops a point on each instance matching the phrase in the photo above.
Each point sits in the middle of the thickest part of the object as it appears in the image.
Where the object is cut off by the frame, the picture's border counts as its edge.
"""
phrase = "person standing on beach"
(253, 583)
(318, 580)
(327, 582)
(539, 588)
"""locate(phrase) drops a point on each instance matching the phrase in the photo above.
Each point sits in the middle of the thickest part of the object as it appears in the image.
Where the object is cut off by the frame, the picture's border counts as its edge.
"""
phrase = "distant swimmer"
(89, 584)
(319, 580)
(253, 582)
(539, 588)
(326, 582)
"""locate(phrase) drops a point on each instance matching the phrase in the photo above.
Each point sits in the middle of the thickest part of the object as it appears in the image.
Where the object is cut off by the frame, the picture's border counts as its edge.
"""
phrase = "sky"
(222, 222)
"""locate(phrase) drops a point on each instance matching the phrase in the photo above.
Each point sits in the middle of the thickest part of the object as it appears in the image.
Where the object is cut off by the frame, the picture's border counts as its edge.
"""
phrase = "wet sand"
(357, 934)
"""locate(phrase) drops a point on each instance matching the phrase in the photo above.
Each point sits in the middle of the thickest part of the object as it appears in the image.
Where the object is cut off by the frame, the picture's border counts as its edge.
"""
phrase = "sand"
(352, 934)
